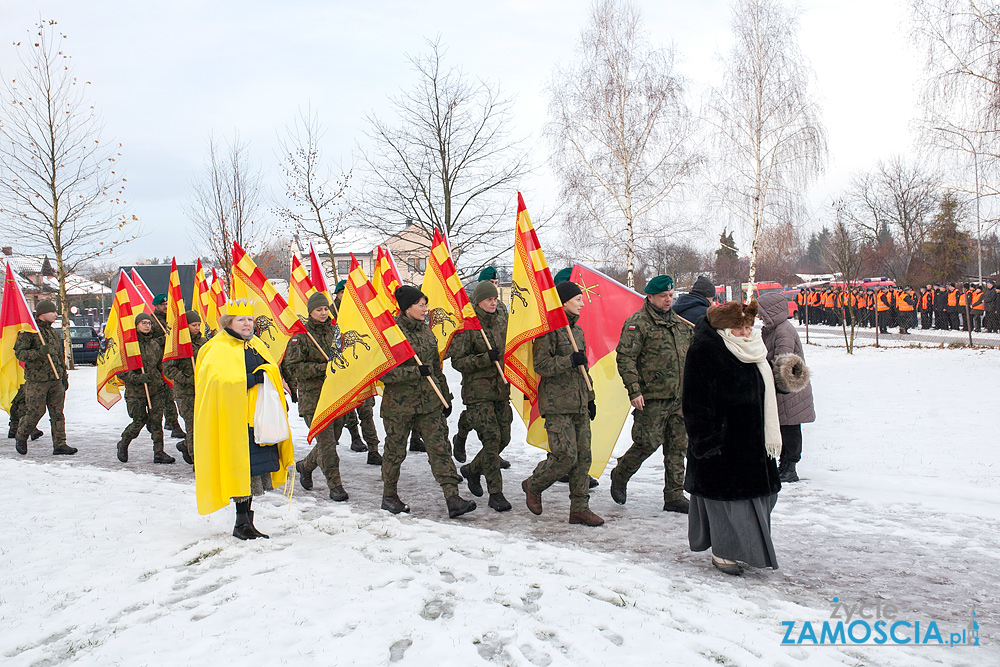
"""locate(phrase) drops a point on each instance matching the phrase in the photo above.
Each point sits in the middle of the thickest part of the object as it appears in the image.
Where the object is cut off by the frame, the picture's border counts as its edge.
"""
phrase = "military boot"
(36, 434)
(305, 477)
(162, 457)
(338, 494)
(531, 499)
(21, 446)
(123, 450)
(243, 530)
(357, 444)
(457, 506)
(177, 433)
(458, 448)
(586, 518)
(680, 506)
(619, 488)
(499, 503)
(475, 481)
(786, 472)
(417, 443)
(374, 458)
(256, 532)
(504, 463)
(64, 450)
(394, 504)
(183, 449)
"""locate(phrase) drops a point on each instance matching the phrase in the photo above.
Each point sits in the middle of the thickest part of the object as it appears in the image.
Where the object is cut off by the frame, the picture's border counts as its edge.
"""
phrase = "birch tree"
(621, 136)
(768, 139)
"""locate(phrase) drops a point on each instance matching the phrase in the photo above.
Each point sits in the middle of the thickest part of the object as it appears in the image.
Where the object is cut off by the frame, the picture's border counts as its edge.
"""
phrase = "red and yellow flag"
(371, 344)
(143, 290)
(607, 304)
(178, 342)
(300, 288)
(386, 279)
(535, 310)
(274, 321)
(448, 306)
(216, 301)
(122, 343)
(15, 317)
(317, 275)
(200, 296)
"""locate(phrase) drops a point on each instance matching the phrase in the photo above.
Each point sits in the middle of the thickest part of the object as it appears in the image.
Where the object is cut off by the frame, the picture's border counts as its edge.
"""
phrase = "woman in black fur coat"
(731, 416)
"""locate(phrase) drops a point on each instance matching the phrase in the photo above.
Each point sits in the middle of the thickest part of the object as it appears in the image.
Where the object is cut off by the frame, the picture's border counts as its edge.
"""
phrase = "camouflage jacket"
(181, 371)
(160, 327)
(151, 349)
(561, 390)
(406, 392)
(481, 380)
(306, 362)
(651, 352)
(27, 349)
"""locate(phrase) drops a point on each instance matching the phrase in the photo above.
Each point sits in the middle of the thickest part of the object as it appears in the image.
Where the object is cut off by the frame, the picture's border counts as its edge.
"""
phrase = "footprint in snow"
(397, 650)
(435, 609)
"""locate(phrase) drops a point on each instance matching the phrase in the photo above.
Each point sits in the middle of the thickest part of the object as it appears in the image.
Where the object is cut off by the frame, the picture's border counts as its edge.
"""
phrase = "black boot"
(458, 448)
(36, 434)
(374, 458)
(592, 482)
(358, 445)
(681, 506)
(183, 449)
(394, 504)
(619, 488)
(243, 530)
(256, 532)
(504, 463)
(786, 472)
(163, 457)
(123, 450)
(21, 446)
(499, 503)
(305, 478)
(475, 482)
(177, 433)
(417, 443)
(63, 450)
(457, 506)
(338, 494)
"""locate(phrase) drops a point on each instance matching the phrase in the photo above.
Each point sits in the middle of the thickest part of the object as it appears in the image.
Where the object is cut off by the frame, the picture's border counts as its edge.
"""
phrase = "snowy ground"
(103, 563)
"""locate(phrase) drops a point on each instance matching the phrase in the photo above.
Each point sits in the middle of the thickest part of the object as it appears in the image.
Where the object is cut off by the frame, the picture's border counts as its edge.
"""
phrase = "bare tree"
(845, 256)
(60, 187)
(318, 202)
(681, 260)
(226, 203)
(769, 141)
(621, 134)
(448, 162)
(894, 204)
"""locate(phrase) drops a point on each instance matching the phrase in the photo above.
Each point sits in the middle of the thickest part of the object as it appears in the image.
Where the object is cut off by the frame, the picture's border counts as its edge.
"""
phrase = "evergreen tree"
(949, 249)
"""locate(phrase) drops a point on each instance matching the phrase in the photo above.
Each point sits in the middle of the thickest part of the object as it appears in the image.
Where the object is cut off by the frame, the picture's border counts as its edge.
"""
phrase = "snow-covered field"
(109, 564)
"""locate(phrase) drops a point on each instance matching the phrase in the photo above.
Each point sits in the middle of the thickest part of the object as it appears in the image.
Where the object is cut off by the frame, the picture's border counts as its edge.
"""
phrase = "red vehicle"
(764, 287)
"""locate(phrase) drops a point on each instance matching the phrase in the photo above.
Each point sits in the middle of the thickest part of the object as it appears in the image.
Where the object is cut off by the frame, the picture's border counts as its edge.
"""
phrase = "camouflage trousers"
(169, 409)
(569, 452)
(491, 421)
(150, 416)
(365, 415)
(324, 453)
(660, 422)
(17, 408)
(433, 428)
(185, 408)
(464, 426)
(39, 397)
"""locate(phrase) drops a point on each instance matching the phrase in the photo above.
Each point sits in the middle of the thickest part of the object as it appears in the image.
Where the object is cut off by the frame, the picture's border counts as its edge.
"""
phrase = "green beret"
(563, 275)
(143, 316)
(484, 290)
(489, 273)
(339, 288)
(159, 298)
(44, 306)
(317, 300)
(193, 317)
(659, 284)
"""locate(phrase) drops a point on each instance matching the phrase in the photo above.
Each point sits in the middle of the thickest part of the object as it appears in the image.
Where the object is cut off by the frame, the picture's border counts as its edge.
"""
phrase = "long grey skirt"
(734, 529)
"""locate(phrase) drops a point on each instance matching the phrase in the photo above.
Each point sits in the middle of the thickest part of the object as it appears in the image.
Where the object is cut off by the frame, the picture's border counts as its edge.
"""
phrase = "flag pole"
(149, 402)
(497, 363)
(51, 363)
(433, 383)
(583, 369)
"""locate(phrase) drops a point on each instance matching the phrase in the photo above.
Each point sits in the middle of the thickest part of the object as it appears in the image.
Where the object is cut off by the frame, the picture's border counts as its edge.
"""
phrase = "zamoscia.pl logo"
(863, 624)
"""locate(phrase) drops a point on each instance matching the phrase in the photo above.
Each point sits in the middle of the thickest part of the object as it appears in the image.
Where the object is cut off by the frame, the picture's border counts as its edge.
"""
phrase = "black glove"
(65, 383)
(293, 393)
(446, 411)
(258, 376)
(425, 370)
(578, 359)
(592, 410)
(44, 349)
(494, 355)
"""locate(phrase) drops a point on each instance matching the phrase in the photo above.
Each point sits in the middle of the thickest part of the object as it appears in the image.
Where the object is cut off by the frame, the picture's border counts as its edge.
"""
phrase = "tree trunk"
(67, 332)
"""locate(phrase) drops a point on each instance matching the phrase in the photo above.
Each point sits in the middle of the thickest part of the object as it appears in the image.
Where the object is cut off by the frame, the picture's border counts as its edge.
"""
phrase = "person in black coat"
(730, 411)
(692, 306)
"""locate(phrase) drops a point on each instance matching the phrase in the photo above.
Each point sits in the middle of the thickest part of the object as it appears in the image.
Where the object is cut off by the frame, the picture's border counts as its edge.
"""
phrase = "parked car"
(87, 345)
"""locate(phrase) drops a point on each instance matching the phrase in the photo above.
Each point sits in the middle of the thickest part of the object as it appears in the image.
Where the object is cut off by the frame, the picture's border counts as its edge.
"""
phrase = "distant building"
(36, 275)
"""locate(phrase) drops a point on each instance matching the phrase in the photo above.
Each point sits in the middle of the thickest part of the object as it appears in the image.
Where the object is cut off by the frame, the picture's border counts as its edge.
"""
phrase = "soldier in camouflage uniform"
(409, 403)
(160, 329)
(145, 392)
(651, 353)
(568, 408)
(489, 274)
(365, 416)
(308, 361)
(16, 410)
(43, 389)
(181, 373)
(485, 394)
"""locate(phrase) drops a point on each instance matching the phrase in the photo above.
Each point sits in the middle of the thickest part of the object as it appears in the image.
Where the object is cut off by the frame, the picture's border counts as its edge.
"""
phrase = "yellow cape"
(223, 409)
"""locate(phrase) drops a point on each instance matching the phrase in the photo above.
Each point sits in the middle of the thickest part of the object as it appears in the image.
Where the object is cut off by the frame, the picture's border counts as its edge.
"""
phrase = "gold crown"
(239, 307)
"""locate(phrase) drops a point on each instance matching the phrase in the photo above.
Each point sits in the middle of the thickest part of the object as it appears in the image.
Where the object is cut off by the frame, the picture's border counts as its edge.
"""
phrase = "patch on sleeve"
(631, 327)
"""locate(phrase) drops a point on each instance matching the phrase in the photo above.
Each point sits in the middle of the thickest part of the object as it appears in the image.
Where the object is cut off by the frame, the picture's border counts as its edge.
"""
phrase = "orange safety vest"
(904, 302)
(882, 300)
(927, 300)
(800, 299)
(953, 299)
(977, 300)
(828, 300)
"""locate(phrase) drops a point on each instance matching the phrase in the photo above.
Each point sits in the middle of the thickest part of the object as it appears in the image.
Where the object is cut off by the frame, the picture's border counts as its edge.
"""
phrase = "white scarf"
(752, 351)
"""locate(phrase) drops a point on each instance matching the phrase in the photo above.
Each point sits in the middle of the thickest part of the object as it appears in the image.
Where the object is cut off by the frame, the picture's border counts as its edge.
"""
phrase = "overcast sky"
(166, 74)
